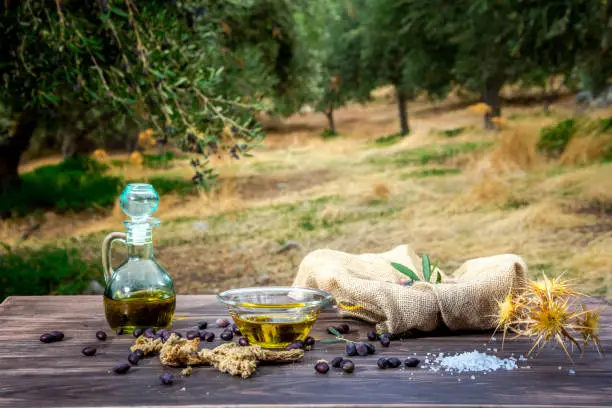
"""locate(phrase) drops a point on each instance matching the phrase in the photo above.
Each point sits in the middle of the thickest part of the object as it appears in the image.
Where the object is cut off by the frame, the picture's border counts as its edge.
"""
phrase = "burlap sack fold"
(369, 286)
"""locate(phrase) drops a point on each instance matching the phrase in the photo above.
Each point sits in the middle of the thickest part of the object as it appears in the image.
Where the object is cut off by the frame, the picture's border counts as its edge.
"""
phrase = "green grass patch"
(165, 185)
(154, 161)
(430, 173)
(428, 154)
(514, 204)
(73, 185)
(452, 132)
(389, 140)
(554, 139)
(46, 271)
(329, 134)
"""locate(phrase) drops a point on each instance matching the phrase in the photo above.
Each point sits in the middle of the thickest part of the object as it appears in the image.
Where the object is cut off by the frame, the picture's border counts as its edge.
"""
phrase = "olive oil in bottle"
(270, 331)
(140, 292)
(143, 311)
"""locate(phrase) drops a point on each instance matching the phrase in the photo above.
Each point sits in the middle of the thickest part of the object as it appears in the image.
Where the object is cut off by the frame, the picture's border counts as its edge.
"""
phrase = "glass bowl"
(274, 317)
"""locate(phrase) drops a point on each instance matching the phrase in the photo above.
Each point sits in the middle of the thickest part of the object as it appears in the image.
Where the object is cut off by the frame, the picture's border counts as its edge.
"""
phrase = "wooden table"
(36, 374)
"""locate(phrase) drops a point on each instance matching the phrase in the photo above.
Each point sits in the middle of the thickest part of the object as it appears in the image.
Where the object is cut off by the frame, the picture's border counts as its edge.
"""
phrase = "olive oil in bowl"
(275, 331)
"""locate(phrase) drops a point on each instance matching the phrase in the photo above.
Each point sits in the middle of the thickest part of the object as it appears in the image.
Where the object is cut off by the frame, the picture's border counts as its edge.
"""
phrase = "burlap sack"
(368, 285)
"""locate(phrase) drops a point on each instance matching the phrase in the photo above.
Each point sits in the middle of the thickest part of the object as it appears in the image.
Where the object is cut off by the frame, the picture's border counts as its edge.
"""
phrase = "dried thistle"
(547, 311)
(588, 326)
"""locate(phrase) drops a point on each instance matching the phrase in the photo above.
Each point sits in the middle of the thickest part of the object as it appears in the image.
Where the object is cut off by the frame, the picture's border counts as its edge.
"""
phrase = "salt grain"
(475, 362)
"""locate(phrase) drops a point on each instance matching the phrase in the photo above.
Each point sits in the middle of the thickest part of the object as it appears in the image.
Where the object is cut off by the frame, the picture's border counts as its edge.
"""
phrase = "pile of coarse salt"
(474, 361)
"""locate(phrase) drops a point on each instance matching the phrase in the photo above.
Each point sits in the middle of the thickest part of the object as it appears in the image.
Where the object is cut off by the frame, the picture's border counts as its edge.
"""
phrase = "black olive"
(343, 328)
(309, 341)
(137, 332)
(58, 335)
(209, 336)
(321, 368)
(411, 362)
(236, 330)
(101, 335)
(293, 346)
(361, 349)
(192, 335)
(350, 349)
(149, 333)
(384, 341)
(139, 353)
(243, 341)
(371, 348)
(121, 368)
(227, 335)
(48, 338)
(372, 336)
(383, 363)
(222, 323)
(348, 366)
(120, 331)
(394, 362)
(202, 325)
(166, 378)
(337, 362)
(89, 351)
(133, 358)
(299, 343)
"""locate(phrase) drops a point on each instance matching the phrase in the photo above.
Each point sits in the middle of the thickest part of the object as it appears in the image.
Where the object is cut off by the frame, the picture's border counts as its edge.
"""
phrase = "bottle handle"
(107, 246)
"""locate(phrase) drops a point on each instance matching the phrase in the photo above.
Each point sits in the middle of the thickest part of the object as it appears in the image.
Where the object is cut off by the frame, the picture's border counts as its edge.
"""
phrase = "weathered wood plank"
(57, 374)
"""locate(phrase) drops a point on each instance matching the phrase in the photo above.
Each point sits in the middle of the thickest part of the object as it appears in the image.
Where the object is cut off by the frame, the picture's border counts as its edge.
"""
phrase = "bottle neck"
(144, 251)
(139, 240)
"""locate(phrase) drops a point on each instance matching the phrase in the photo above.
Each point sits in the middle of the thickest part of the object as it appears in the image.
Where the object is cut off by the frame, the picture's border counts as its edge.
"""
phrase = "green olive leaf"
(426, 267)
(406, 271)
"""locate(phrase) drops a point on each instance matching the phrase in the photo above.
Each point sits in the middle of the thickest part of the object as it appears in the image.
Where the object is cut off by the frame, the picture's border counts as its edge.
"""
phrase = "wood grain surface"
(33, 374)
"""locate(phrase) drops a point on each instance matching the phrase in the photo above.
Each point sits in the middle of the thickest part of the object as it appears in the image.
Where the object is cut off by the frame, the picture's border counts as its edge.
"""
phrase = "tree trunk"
(490, 96)
(330, 120)
(402, 97)
(12, 149)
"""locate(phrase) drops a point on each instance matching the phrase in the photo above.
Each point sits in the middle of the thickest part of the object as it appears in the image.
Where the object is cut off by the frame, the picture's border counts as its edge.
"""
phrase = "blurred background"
(271, 128)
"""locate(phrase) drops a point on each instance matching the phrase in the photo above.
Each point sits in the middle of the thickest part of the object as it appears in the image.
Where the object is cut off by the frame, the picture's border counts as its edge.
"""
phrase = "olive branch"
(428, 270)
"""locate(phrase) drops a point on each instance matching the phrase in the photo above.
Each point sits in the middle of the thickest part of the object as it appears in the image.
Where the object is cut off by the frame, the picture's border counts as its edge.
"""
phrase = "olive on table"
(202, 325)
(227, 335)
(121, 368)
(394, 362)
(348, 366)
(385, 341)
(139, 353)
(321, 367)
(101, 335)
(166, 378)
(372, 336)
(58, 335)
(243, 341)
(236, 330)
(210, 336)
(361, 348)
(371, 348)
(149, 333)
(293, 346)
(48, 338)
(411, 362)
(120, 331)
(133, 358)
(89, 351)
(222, 323)
(337, 362)
(137, 332)
(192, 335)
(350, 349)
(343, 328)
(309, 341)
(383, 363)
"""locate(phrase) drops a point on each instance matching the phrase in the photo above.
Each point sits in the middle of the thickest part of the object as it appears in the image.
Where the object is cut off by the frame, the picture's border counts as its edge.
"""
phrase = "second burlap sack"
(370, 289)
